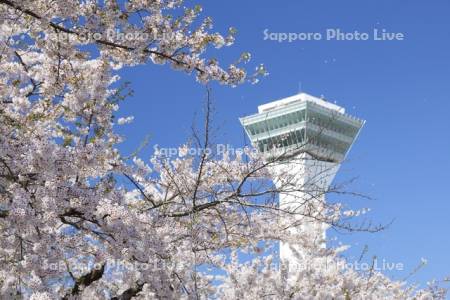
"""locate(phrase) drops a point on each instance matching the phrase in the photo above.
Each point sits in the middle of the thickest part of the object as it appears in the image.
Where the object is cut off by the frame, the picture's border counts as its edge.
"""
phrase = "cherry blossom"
(79, 220)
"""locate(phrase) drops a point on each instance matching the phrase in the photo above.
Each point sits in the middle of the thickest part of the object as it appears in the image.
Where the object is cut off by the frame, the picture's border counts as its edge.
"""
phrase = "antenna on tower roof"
(300, 90)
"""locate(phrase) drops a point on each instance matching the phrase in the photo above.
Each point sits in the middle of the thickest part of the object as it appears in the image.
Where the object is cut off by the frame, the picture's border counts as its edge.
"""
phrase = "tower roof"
(301, 97)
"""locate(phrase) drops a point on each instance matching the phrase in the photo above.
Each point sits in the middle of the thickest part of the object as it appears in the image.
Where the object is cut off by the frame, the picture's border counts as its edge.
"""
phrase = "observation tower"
(306, 139)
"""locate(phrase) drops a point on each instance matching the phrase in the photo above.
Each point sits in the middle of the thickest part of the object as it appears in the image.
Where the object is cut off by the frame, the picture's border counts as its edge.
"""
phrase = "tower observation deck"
(304, 123)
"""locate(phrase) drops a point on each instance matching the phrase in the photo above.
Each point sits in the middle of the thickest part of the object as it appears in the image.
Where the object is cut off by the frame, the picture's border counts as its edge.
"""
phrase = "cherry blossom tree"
(79, 220)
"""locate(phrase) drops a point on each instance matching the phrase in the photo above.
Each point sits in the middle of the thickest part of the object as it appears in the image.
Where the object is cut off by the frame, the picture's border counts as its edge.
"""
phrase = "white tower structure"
(307, 138)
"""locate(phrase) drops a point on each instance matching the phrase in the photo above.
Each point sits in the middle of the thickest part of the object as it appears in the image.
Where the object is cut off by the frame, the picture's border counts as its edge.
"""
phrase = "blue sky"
(401, 88)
